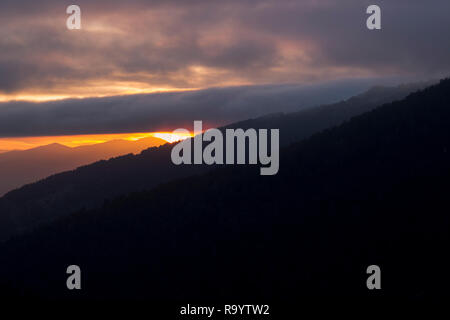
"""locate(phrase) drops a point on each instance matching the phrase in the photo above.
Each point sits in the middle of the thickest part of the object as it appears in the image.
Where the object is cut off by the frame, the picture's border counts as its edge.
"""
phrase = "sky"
(201, 54)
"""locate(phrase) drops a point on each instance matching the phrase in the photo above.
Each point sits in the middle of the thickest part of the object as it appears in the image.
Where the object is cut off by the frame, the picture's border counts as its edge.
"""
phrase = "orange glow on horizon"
(115, 91)
(24, 143)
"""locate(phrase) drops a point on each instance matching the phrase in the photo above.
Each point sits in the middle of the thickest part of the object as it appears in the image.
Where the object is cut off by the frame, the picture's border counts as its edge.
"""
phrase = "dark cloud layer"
(166, 111)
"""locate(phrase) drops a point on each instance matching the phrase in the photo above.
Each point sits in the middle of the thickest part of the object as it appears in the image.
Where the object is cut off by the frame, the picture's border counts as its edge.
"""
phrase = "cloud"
(136, 45)
(167, 111)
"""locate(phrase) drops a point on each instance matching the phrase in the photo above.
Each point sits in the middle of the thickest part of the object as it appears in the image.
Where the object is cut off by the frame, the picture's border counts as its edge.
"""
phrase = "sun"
(172, 137)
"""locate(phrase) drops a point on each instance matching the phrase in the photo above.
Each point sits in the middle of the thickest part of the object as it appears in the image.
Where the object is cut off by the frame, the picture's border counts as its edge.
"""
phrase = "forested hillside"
(372, 191)
(89, 186)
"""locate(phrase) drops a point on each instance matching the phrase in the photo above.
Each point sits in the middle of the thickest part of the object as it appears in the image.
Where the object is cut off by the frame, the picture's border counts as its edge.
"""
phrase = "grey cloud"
(167, 111)
(240, 40)
(413, 39)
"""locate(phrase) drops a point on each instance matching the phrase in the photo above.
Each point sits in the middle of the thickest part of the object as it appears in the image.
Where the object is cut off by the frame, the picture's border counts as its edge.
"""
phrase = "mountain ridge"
(89, 186)
(372, 190)
(20, 167)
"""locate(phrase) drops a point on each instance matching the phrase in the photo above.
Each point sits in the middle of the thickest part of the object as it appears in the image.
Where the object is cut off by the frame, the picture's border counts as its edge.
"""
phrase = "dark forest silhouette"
(373, 190)
(89, 186)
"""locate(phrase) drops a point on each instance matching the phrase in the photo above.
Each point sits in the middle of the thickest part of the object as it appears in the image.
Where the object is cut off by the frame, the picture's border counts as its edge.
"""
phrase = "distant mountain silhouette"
(18, 168)
(301, 124)
(87, 187)
(372, 191)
